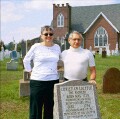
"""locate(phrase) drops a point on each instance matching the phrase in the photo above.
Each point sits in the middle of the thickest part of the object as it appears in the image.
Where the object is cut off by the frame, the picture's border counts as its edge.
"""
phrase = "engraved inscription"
(79, 102)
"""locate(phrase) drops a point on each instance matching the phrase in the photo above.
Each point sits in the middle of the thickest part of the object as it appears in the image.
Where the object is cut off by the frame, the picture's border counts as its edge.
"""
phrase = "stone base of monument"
(24, 89)
(12, 65)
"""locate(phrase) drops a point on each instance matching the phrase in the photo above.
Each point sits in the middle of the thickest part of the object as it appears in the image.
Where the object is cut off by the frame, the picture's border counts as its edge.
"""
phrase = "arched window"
(60, 20)
(100, 37)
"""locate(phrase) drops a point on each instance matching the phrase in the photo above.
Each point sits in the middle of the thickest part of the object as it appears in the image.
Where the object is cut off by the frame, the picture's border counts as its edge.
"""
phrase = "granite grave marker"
(75, 100)
(12, 65)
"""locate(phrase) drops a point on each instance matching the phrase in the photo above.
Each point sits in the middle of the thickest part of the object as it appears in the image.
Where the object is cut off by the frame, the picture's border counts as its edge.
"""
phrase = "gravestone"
(116, 50)
(2, 54)
(107, 49)
(100, 50)
(13, 55)
(24, 85)
(103, 54)
(113, 52)
(7, 53)
(60, 67)
(75, 100)
(12, 65)
(111, 81)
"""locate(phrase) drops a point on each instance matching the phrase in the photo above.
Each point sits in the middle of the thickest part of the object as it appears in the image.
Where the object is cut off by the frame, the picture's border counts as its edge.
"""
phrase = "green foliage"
(14, 107)
(10, 46)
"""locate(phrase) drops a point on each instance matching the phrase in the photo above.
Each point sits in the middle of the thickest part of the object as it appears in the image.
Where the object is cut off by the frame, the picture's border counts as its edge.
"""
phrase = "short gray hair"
(75, 32)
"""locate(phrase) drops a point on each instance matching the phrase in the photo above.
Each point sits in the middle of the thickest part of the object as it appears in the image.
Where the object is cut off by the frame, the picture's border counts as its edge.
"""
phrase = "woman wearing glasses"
(45, 56)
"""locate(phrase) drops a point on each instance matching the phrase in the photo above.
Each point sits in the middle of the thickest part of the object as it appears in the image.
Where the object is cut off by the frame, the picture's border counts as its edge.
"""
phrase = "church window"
(100, 37)
(60, 20)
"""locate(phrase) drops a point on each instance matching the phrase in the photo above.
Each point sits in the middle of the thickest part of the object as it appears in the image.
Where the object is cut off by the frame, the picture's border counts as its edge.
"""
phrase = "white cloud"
(8, 12)
(84, 2)
(14, 11)
(24, 33)
(38, 5)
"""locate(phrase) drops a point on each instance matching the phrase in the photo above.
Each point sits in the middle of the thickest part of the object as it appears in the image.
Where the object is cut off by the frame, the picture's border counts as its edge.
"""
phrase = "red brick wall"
(112, 34)
(65, 10)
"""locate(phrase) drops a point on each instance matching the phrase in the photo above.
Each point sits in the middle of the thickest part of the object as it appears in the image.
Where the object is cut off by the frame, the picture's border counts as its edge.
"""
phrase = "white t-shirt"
(45, 62)
(76, 63)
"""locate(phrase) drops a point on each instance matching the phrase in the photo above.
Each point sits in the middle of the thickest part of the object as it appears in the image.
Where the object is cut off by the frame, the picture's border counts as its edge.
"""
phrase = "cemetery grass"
(11, 105)
(14, 107)
(109, 103)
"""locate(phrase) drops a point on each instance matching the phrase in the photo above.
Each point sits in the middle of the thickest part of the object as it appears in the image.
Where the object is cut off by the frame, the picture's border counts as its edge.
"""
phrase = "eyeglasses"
(46, 34)
(76, 39)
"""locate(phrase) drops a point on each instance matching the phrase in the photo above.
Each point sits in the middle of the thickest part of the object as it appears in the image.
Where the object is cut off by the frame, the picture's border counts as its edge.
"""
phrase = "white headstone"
(7, 54)
(116, 49)
(113, 52)
(100, 50)
(107, 49)
(2, 53)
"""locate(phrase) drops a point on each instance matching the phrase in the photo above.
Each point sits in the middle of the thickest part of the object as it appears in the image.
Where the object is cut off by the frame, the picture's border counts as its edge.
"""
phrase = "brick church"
(99, 25)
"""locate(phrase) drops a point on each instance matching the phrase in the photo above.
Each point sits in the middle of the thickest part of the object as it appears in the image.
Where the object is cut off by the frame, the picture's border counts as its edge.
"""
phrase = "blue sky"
(23, 19)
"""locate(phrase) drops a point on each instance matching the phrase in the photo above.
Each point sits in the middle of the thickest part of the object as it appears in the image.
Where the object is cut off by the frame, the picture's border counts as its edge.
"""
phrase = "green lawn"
(14, 107)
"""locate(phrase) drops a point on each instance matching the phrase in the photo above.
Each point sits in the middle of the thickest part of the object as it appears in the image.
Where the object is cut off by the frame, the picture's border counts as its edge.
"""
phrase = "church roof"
(82, 17)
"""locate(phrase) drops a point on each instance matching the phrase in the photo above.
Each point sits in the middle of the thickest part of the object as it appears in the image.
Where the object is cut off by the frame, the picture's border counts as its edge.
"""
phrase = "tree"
(10, 46)
(2, 45)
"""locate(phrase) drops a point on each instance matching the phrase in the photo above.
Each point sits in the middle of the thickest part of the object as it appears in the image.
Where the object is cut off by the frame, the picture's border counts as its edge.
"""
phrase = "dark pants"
(85, 79)
(41, 97)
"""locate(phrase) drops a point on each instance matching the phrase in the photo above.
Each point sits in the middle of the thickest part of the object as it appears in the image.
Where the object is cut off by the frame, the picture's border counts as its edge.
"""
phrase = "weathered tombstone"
(7, 53)
(103, 54)
(100, 50)
(24, 88)
(12, 65)
(2, 54)
(111, 81)
(107, 49)
(60, 67)
(113, 52)
(13, 55)
(116, 49)
(75, 100)
(18, 54)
